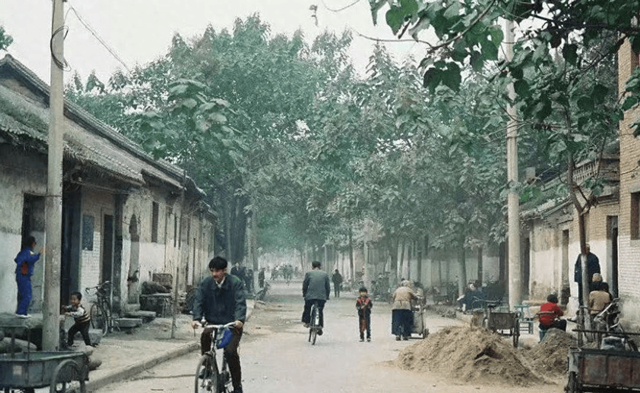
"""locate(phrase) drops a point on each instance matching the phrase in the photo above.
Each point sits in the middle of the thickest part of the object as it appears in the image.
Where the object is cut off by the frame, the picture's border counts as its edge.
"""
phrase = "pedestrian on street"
(81, 317)
(25, 261)
(336, 278)
(550, 314)
(315, 289)
(593, 267)
(220, 299)
(261, 278)
(401, 314)
(364, 305)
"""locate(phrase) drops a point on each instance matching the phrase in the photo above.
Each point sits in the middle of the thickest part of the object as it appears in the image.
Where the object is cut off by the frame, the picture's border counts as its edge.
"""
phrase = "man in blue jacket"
(25, 261)
(593, 266)
(315, 289)
(220, 299)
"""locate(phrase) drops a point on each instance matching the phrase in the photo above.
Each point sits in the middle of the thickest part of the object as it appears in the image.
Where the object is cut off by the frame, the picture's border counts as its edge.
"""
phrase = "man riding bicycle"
(220, 299)
(315, 289)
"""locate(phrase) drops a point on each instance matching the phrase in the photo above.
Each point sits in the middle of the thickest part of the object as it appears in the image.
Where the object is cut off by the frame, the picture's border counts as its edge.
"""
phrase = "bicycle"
(315, 329)
(210, 378)
(607, 324)
(100, 311)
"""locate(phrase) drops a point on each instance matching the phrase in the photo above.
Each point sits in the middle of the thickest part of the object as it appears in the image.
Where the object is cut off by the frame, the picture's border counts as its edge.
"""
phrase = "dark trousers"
(230, 353)
(336, 290)
(306, 313)
(83, 328)
(365, 324)
(24, 293)
(401, 322)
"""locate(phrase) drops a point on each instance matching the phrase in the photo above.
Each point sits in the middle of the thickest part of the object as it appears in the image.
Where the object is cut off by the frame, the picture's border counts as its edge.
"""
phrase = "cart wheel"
(67, 378)
(572, 384)
(425, 333)
(516, 332)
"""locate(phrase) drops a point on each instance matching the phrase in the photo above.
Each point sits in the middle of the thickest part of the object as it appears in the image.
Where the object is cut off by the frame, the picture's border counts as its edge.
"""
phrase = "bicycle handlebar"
(217, 327)
(97, 287)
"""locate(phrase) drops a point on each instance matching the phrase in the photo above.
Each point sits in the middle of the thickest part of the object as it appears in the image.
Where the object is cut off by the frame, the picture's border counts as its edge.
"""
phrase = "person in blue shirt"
(25, 261)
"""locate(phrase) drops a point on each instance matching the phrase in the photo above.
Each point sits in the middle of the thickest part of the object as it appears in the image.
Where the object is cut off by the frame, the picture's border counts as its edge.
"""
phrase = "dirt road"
(277, 357)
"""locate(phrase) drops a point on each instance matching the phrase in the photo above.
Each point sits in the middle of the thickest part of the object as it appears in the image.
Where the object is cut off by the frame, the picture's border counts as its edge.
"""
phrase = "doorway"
(107, 248)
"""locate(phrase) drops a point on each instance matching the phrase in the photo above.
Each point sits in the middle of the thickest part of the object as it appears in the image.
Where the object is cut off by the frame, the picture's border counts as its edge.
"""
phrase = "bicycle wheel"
(207, 375)
(98, 319)
(67, 378)
(313, 329)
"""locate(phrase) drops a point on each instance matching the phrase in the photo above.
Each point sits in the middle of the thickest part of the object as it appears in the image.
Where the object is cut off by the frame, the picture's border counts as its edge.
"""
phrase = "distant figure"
(25, 261)
(401, 314)
(261, 278)
(593, 267)
(336, 278)
(81, 318)
(249, 280)
(364, 305)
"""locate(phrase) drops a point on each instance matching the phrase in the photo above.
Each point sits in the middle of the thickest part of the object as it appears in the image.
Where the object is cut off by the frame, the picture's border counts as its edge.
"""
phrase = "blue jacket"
(26, 255)
(220, 305)
(593, 266)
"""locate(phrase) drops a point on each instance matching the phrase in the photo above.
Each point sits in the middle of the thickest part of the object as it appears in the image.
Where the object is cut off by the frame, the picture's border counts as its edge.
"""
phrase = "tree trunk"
(402, 260)
(351, 266)
(462, 276)
(419, 261)
(480, 266)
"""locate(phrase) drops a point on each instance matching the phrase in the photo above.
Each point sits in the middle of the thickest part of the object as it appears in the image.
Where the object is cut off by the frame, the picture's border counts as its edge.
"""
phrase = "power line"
(95, 34)
(340, 9)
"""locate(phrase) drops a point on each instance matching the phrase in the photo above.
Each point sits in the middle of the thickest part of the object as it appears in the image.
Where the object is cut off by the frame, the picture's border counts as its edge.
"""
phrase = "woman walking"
(401, 314)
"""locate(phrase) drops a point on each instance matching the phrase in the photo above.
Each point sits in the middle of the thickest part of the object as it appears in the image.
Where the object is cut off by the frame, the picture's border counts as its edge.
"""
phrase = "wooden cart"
(505, 323)
(603, 370)
(61, 371)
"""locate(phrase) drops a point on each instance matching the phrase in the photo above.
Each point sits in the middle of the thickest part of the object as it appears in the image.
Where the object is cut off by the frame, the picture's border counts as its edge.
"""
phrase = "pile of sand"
(550, 356)
(468, 354)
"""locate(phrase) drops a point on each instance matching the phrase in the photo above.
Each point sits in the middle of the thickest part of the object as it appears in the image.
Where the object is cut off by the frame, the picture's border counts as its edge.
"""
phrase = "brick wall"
(629, 254)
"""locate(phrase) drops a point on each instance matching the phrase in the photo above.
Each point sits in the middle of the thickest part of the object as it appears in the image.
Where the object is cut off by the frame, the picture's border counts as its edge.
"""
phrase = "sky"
(139, 31)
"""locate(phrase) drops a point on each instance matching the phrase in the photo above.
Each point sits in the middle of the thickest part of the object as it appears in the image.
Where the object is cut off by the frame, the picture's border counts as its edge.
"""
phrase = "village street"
(276, 356)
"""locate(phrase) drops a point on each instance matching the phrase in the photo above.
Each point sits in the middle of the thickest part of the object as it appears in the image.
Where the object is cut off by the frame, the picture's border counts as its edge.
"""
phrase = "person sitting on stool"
(550, 315)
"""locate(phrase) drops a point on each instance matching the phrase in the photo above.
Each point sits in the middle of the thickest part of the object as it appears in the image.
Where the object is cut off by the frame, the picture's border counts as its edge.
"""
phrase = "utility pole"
(53, 208)
(513, 200)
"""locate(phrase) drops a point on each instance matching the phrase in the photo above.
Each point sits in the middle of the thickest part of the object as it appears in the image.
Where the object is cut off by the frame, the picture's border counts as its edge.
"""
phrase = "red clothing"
(546, 318)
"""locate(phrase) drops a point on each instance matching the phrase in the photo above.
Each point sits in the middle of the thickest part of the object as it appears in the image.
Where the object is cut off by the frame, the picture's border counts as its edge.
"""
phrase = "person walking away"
(401, 314)
(81, 317)
(261, 278)
(593, 267)
(550, 315)
(337, 282)
(220, 299)
(25, 261)
(364, 305)
(315, 289)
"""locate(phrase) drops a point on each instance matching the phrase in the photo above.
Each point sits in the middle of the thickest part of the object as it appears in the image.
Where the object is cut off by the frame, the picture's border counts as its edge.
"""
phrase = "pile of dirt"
(468, 354)
(550, 356)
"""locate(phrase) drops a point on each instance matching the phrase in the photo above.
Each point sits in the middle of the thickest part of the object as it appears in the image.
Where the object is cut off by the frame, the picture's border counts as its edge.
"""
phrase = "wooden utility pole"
(53, 208)
(513, 201)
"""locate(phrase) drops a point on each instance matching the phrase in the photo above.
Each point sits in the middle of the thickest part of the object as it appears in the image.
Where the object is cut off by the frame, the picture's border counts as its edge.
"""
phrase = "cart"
(61, 371)
(419, 319)
(505, 323)
(603, 370)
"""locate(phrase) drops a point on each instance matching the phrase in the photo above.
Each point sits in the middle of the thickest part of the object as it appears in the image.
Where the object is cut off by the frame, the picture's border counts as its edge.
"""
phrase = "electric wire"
(97, 36)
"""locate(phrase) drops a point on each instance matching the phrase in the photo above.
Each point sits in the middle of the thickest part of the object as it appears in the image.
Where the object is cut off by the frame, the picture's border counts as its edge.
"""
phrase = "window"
(154, 222)
(635, 215)
(87, 232)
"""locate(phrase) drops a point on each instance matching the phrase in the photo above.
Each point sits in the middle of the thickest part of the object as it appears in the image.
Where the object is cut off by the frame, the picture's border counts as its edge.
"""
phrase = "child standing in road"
(81, 317)
(364, 305)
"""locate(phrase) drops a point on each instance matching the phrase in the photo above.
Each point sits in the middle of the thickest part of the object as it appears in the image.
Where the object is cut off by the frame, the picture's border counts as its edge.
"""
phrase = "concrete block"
(125, 323)
(146, 316)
